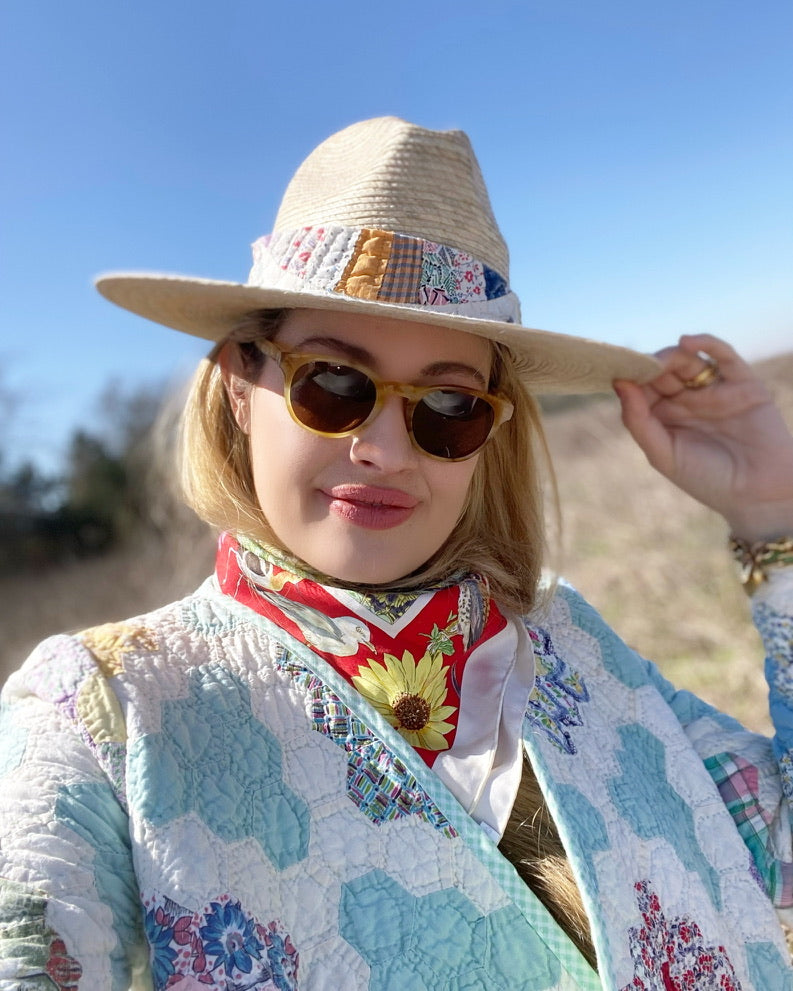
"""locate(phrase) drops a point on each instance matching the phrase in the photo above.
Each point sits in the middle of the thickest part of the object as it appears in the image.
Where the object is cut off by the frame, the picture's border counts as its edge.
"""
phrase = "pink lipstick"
(370, 506)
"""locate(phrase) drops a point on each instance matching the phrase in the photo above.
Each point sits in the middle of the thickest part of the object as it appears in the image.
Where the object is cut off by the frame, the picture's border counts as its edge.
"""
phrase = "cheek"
(269, 440)
(451, 484)
(284, 457)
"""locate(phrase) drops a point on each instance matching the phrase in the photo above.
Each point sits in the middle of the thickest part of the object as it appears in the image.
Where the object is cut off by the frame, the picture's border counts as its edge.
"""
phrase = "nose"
(385, 443)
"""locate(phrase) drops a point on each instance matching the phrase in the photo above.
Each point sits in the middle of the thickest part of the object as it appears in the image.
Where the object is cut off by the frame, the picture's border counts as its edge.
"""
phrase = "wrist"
(758, 559)
(766, 522)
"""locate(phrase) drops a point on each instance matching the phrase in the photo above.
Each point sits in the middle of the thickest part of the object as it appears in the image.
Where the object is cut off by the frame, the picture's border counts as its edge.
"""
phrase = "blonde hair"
(500, 534)
(532, 845)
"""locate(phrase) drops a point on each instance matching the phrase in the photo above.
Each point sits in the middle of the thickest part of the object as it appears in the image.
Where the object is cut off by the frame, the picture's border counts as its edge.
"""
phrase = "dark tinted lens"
(332, 398)
(452, 424)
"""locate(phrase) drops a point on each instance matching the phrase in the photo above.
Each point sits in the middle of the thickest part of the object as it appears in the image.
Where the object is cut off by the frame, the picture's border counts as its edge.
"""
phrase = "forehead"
(388, 343)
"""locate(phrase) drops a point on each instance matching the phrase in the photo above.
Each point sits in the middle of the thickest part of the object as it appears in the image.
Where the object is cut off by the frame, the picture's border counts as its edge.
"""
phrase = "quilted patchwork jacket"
(191, 799)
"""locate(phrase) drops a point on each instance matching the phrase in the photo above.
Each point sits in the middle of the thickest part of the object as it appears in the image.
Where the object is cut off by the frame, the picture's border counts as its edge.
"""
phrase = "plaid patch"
(385, 790)
(738, 784)
(403, 274)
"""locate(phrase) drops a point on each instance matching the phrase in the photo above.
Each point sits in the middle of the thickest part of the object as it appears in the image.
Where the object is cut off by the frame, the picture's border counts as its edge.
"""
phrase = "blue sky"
(638, 157)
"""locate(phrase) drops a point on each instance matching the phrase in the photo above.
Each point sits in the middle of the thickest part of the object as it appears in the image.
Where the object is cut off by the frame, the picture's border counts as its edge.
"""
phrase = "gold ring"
(708, 375)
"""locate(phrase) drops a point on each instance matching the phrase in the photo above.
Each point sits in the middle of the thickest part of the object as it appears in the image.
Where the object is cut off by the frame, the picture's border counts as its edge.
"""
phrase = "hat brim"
(548, 362)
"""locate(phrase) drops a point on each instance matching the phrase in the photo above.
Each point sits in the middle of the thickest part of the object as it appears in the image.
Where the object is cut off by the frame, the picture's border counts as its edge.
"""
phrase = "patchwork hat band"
(377, 265)
(391, 220)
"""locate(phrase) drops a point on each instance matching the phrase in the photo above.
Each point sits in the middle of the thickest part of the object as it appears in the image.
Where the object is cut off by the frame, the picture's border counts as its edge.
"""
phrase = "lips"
(370, 506)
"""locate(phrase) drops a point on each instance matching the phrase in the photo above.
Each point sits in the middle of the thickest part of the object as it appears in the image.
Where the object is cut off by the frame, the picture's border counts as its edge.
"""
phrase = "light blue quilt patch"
(214, 757)
(644, 797)
(91, 810)
(767, 969)
(13, 740)
(776, 630)
(591, 834)
(440, 941)
(618, 659)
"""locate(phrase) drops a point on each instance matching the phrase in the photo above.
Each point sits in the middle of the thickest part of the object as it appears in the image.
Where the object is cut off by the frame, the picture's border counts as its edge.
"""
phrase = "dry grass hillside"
(70, 596)
(648, 557)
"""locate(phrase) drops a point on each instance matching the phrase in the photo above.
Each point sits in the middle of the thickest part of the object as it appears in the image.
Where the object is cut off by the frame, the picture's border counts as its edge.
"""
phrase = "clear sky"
(639, 158)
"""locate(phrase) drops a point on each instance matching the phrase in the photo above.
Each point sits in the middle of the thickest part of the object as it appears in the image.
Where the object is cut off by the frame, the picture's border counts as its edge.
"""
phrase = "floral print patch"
(446, 272)
(64, 971)
(672, 953)
(221, 946)
(558, 695)
(40, 953)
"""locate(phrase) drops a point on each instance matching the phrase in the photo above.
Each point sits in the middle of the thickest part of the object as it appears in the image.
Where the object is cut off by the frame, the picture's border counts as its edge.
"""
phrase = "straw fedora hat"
(389, 218)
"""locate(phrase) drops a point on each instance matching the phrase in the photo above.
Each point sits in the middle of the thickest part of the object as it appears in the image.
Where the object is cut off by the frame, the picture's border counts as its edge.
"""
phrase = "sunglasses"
(335, 399)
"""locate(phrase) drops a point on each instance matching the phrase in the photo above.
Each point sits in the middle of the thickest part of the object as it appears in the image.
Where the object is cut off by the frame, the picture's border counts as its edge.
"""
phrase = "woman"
(319, 770)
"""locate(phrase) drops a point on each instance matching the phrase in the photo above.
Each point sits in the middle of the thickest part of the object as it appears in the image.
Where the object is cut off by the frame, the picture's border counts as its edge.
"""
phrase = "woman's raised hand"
(719, 438)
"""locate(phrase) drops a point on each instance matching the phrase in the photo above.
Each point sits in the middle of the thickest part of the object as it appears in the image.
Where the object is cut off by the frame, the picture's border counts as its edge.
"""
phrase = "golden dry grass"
(648, 557)
(72, 596)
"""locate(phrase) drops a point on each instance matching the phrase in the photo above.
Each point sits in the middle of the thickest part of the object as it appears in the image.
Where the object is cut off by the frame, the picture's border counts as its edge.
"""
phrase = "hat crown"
(386, 173)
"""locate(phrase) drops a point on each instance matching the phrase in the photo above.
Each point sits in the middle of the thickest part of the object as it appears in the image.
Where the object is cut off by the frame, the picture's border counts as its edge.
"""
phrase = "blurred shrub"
(100, 500)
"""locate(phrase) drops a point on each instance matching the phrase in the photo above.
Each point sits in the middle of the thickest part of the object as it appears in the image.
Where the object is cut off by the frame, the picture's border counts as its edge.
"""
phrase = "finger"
(714, 346)
(683, 370)
(731, 365)
(695, 356)
(648, 432)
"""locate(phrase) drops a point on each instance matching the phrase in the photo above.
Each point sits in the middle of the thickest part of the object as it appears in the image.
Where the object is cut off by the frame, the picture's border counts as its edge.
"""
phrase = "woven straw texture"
(399, 177)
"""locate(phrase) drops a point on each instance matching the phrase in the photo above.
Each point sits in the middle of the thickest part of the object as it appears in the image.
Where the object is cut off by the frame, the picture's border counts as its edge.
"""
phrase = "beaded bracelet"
(755, 559)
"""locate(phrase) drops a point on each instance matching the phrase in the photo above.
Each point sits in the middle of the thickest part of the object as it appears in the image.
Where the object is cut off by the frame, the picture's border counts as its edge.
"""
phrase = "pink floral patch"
(64, 971)
(671, 954)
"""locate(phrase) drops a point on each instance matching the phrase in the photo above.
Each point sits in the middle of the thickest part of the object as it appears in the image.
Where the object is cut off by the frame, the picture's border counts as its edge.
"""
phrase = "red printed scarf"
(404, 651)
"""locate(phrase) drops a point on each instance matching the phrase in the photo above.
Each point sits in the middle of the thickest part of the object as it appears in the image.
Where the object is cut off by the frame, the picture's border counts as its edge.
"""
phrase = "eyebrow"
(364, 357)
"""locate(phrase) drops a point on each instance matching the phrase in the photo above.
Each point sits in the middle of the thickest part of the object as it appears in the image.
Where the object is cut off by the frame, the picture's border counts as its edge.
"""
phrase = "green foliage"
(24, 488)
(99, 499)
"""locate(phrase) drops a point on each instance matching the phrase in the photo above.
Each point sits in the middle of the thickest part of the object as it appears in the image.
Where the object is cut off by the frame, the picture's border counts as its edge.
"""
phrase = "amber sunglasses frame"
(290, 362)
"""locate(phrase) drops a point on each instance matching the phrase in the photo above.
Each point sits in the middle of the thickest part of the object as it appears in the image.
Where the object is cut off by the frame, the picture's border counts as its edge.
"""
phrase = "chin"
(370, 569)
(373, 574)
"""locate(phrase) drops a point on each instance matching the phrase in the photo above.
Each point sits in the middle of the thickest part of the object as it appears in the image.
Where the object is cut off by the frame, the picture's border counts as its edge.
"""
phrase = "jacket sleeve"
(754, 775)
(69, 908)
